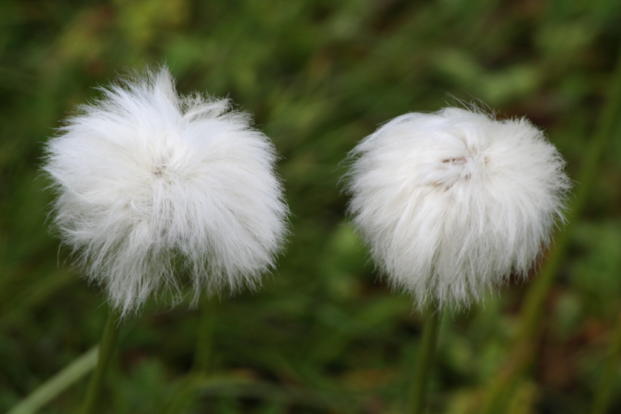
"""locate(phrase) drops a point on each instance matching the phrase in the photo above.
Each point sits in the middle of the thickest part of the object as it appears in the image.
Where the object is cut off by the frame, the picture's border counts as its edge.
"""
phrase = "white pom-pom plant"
(147, 179)
(150, 183)
(452, 204)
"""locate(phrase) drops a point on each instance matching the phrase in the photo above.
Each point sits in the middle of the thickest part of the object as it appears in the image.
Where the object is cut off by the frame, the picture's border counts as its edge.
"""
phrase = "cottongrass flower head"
(150, 182)
(452, 203)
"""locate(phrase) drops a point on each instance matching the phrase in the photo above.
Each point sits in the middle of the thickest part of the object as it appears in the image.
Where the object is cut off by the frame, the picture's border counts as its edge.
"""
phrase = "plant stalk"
(203, 355)
(424, 361)
(107, 348)
(185, 394)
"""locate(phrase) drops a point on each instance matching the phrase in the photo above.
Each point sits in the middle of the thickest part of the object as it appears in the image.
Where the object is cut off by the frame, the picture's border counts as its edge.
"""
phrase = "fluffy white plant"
(149, 182)
(454, 202)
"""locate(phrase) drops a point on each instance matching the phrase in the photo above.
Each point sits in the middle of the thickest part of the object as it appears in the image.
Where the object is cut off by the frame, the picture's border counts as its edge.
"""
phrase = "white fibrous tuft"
(453, 203)
(151, 184)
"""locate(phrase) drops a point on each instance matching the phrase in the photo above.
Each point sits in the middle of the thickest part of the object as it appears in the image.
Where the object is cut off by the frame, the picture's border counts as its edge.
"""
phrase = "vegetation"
(324, 334)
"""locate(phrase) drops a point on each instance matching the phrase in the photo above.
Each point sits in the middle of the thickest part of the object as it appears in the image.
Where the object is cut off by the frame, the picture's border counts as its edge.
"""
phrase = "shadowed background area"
(324, 334)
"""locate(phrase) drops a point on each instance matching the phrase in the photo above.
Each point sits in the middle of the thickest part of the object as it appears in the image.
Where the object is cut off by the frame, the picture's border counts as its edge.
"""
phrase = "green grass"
(324, 334)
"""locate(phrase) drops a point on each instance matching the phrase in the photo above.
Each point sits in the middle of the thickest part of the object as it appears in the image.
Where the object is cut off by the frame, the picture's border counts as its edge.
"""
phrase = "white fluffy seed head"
(452, 203)
(150, 183)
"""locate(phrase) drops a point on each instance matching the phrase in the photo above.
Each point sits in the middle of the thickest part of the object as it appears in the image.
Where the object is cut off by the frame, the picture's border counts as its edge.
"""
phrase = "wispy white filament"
(151, 184)
(452, 203)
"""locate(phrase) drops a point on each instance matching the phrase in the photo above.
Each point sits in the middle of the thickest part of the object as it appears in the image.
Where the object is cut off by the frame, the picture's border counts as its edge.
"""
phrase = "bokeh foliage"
(324, 334)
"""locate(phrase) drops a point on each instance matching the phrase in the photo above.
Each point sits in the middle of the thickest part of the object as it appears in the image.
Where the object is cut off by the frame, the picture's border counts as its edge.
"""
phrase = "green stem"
(107, 348)
(424, 361)
(602, 399)
(51, 388)
(203, 359)
(531, 315)
(203, 355)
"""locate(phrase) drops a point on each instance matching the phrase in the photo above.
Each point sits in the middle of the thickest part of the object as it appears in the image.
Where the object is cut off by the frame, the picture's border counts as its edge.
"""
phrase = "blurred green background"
(324, 334)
